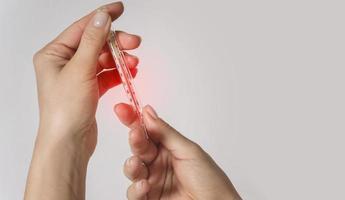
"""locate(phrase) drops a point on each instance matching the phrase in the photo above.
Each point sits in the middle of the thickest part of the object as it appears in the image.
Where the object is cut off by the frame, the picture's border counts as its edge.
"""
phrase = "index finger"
(72, 35)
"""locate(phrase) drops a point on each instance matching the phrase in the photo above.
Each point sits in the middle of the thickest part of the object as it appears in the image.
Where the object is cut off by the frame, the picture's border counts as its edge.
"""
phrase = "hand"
(70, 80)
(168, 165)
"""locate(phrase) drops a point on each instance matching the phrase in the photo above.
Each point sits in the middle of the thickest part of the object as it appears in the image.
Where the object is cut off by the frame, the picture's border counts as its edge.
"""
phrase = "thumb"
(92, 42)
(161, 132)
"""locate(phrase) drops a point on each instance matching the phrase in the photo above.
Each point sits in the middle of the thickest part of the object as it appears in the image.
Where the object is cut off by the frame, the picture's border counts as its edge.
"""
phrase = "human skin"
(70, 83)
(73, 72)
(168, 165)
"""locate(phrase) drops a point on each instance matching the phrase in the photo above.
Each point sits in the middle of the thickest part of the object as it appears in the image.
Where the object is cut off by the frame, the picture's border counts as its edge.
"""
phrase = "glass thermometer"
(126, 77)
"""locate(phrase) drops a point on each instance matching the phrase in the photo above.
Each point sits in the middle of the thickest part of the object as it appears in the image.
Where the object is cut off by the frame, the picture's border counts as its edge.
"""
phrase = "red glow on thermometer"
(126, 77)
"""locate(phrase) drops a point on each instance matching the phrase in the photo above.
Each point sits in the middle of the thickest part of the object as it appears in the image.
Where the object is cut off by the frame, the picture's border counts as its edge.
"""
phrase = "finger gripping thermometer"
(126, 77)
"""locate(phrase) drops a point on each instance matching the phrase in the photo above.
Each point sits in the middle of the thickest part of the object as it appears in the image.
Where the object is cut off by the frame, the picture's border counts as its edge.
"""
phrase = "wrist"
(58, 168)
(51, 177)
(75, 137)
(50, 148)
(60, 145)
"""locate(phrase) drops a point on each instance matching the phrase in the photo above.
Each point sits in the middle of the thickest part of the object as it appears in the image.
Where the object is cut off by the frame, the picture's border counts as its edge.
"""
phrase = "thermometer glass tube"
(126, 77)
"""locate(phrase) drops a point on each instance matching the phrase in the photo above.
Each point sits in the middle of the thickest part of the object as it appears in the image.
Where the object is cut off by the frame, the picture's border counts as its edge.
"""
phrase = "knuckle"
(125, 167)
(128, 170)
(36, 58)
(38, 61)
(196, 149)
(54, 52)
(163, 125)
(77, 25)
(59, 50)
(128, 193)
(135, 176)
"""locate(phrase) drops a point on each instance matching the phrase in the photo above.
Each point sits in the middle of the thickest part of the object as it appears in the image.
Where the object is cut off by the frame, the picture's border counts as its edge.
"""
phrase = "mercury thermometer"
(126, 77)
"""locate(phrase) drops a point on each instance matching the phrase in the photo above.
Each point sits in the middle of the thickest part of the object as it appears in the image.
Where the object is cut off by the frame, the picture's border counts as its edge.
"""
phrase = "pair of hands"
(73, 72)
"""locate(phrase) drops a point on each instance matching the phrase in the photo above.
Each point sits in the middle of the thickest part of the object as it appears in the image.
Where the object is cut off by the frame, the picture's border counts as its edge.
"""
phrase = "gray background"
(259, 84)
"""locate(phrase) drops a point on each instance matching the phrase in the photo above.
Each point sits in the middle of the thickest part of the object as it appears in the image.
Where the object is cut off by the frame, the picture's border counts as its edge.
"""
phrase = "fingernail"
(100, 18)
(152, 112)
(139, 185)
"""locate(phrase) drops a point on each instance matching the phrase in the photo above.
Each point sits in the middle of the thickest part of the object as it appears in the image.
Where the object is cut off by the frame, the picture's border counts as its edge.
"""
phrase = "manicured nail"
(152, 112)
(100, 18)
(139, 185)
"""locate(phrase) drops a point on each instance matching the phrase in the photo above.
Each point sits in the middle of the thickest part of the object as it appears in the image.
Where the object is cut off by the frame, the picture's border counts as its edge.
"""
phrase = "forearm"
(58, 170)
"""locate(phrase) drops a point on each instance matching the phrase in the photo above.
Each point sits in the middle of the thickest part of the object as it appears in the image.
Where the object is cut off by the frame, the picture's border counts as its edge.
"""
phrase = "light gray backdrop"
(259, 84)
